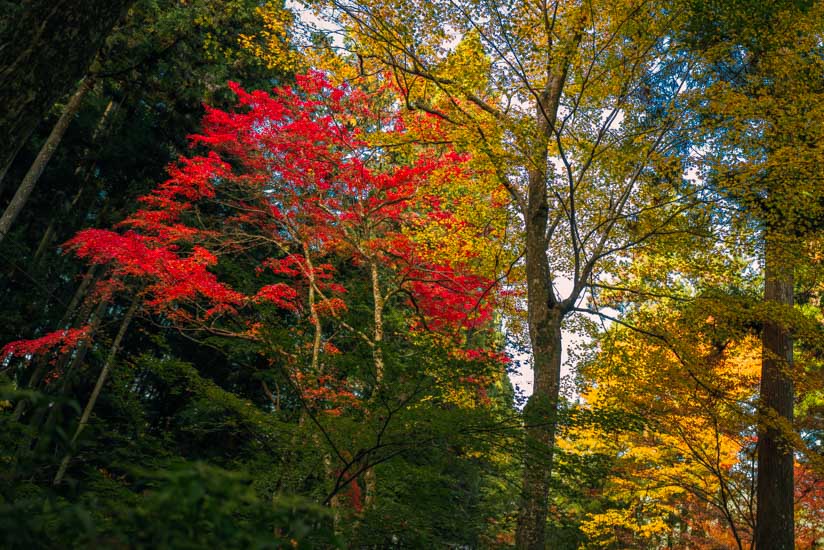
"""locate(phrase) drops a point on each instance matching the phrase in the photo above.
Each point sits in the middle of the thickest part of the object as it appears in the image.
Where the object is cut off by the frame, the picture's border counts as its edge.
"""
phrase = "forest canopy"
(441, 274)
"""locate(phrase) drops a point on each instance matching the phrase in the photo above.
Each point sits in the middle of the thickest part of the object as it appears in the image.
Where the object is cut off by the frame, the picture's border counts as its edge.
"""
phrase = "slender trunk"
(5, 168)
(45, 240)
(33, 175)
(313, 312)
(369, 478)
(82, 172)
(316, 369)
(48, 235)
(377, 336)
(775, 498)
(101, 379)
(39, 427)
(41, 362)
(79, 294)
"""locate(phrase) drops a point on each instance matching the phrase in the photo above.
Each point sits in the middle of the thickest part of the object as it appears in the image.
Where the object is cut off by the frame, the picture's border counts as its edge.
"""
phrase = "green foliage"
(185, 505)
(200, 440)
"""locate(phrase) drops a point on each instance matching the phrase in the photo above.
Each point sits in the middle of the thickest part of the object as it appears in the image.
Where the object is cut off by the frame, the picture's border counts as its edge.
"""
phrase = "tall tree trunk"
(101, 379)
(377, 336)
(83, 172)
(45, 47)
(540, 416)
(544, 316)
(369, 479)
(774, 528)
(43, 157)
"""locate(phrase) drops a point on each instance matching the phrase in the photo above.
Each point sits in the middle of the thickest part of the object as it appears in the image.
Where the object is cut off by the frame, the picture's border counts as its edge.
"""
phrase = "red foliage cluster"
(300, 178)
(326, 393)
(280, 294)
(170, 277)
(62, 341)
(291, 176)
(290, 183)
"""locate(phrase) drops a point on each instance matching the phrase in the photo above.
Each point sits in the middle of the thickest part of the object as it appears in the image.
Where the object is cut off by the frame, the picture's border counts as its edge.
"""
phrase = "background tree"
(765, 159)
(298, 219)
(46, 49)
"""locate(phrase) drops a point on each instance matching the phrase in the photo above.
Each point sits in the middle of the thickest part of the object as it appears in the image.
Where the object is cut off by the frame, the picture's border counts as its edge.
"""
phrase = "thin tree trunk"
(33, 175)
(5, 168)
(45, 47)
(101, 379)
(83, 172)
(377, 337)
(38, 426)
(369, 479)
(48, 235)
(41, 362)
(775, 499)
(317, 369)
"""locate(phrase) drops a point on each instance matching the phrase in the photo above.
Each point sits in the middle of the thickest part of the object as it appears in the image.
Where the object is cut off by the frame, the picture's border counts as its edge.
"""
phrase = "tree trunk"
(774, 515)
(38, 426)
(101, 379)
(377, 338)
(83, 173)
(45, 47)
(540, 416)
(369, 478)
(40, 362)
(544, 316)
(43, 157)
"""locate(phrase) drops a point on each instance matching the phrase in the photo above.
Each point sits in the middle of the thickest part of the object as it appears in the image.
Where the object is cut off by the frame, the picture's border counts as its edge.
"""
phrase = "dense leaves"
(281, 262)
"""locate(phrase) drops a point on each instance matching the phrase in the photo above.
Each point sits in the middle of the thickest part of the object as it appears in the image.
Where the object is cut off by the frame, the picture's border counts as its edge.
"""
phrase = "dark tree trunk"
(540, 416)
(41, 362)
(544, 319)
(775, 498)
(83, 172)
(46, 46)
(43, 157)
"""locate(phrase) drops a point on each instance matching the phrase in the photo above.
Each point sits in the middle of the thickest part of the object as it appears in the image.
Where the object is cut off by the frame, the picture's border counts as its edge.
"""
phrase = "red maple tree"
(292, 180)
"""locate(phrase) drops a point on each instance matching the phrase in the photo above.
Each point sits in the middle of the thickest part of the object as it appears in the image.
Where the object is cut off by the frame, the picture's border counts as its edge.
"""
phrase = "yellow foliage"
(688, 393)
(271, 44)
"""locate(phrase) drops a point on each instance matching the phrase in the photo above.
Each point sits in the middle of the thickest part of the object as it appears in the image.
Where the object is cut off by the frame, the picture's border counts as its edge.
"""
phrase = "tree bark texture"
(101, 379)
(540, 415)
(46, 46)
(369, 477)
(36, 170)
(544, 320)
(775, 498)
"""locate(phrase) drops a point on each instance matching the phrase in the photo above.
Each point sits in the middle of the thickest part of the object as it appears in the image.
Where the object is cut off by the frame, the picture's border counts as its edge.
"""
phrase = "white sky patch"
(309, 19)
(617, 121)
